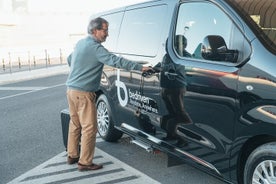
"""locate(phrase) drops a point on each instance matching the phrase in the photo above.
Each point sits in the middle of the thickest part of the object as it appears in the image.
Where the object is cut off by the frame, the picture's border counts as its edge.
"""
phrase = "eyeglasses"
(104, 30)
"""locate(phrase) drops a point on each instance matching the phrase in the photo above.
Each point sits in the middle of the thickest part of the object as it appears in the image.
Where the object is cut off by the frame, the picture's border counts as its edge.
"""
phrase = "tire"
(260, 167)
(106, 127)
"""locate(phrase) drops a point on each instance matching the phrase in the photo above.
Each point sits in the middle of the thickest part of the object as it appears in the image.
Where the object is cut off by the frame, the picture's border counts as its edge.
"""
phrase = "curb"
(33, 74)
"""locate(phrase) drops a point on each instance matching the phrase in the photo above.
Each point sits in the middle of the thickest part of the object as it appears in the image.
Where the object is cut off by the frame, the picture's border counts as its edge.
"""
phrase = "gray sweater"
(87, 61)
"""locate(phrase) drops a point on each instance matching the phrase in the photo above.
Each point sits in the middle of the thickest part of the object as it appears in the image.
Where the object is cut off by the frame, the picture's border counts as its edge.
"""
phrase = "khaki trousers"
(82, 126)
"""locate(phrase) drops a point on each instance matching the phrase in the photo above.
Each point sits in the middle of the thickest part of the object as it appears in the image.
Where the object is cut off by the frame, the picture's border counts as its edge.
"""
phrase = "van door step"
(143, 145)
(150, 143)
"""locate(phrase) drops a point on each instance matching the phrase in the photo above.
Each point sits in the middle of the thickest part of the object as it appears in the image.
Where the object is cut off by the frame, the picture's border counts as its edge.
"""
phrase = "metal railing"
(15, 60)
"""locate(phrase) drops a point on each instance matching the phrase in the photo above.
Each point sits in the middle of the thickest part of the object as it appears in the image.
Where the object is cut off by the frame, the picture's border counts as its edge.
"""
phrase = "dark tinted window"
(141, 31)
(261, 16)
(207, 28)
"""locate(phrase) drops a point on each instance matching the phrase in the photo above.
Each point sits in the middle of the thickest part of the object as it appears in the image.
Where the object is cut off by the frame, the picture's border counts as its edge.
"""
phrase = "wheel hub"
(265, 173)
(102, 118)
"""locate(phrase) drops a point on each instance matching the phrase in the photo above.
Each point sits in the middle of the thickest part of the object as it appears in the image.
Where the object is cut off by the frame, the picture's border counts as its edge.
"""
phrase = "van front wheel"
(261, 165)
(106, 127)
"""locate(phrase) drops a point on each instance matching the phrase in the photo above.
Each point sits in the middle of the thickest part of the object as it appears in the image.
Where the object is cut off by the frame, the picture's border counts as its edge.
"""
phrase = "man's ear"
(93, 31)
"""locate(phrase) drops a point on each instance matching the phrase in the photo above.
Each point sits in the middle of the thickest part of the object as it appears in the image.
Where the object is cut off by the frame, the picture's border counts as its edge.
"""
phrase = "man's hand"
(146, 68)
(147, 71)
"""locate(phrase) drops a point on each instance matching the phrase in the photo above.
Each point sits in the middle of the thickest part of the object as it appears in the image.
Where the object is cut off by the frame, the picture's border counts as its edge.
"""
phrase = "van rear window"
(261, 17)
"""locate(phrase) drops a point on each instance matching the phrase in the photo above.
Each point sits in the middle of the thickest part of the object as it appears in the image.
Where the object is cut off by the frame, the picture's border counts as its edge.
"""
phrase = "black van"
(222, 55)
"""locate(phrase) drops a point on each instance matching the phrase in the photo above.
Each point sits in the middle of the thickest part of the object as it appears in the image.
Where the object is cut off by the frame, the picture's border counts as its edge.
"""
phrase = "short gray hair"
(96, 23)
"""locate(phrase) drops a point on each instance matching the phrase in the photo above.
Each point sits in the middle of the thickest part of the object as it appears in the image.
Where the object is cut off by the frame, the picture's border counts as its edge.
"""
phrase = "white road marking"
(21, 88)
(24, 93)
(57, 171)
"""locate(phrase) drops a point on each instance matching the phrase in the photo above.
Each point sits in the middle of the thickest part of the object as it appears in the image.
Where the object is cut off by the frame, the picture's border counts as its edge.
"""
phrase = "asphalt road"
(30, 124)
(31, 134)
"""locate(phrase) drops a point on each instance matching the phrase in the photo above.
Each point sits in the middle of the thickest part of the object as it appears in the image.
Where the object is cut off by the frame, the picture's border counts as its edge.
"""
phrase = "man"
(86, 65)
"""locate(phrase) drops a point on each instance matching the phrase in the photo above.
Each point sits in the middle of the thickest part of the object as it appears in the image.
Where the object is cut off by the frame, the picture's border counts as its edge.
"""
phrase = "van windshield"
(261, 17)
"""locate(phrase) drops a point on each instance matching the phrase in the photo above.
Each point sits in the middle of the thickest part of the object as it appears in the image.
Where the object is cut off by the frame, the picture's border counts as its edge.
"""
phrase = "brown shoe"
(71, 161)
(89, 167)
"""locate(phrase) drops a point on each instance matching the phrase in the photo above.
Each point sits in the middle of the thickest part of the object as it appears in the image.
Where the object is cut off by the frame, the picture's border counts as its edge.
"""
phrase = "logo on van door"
(134, 98)
(119, 84)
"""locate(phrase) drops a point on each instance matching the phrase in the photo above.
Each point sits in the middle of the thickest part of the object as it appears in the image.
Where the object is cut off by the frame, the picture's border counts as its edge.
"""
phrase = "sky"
(51, 22)
(49, 25)
(93, 6)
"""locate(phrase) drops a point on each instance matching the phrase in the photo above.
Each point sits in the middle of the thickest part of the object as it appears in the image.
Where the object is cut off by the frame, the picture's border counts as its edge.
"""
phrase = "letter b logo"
(119, 84)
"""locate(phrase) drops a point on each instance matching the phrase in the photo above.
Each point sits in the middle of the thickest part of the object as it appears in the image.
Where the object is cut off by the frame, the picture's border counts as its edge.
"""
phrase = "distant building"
(14, 6)
(20, 6)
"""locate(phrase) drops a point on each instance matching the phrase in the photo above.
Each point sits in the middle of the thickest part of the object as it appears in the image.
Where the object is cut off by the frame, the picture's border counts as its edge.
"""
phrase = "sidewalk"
(36, 73)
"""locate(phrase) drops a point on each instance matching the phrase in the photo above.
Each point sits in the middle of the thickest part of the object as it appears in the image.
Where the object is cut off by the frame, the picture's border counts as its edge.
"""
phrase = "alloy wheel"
(265, 173)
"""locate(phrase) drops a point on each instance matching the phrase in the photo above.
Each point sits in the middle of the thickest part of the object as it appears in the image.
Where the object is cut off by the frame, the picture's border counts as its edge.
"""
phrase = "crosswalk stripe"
(57, 171)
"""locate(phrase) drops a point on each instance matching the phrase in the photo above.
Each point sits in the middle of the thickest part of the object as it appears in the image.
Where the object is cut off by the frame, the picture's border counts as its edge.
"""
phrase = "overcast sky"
(52, 21)
(92, 6)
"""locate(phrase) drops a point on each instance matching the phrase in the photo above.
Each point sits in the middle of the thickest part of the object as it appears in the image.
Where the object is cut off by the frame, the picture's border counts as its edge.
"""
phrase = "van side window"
(209, 34)
(114, 20)
(141, 31)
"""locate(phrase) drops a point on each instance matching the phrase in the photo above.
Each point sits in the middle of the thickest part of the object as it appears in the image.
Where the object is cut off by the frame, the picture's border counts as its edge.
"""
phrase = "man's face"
(101, 34)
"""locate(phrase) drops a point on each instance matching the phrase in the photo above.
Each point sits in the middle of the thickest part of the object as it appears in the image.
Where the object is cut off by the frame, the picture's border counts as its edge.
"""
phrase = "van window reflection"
(195, 24)
(173, 83)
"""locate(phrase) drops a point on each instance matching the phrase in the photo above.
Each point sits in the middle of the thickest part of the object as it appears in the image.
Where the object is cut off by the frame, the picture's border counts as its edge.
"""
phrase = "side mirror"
(214, 48)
